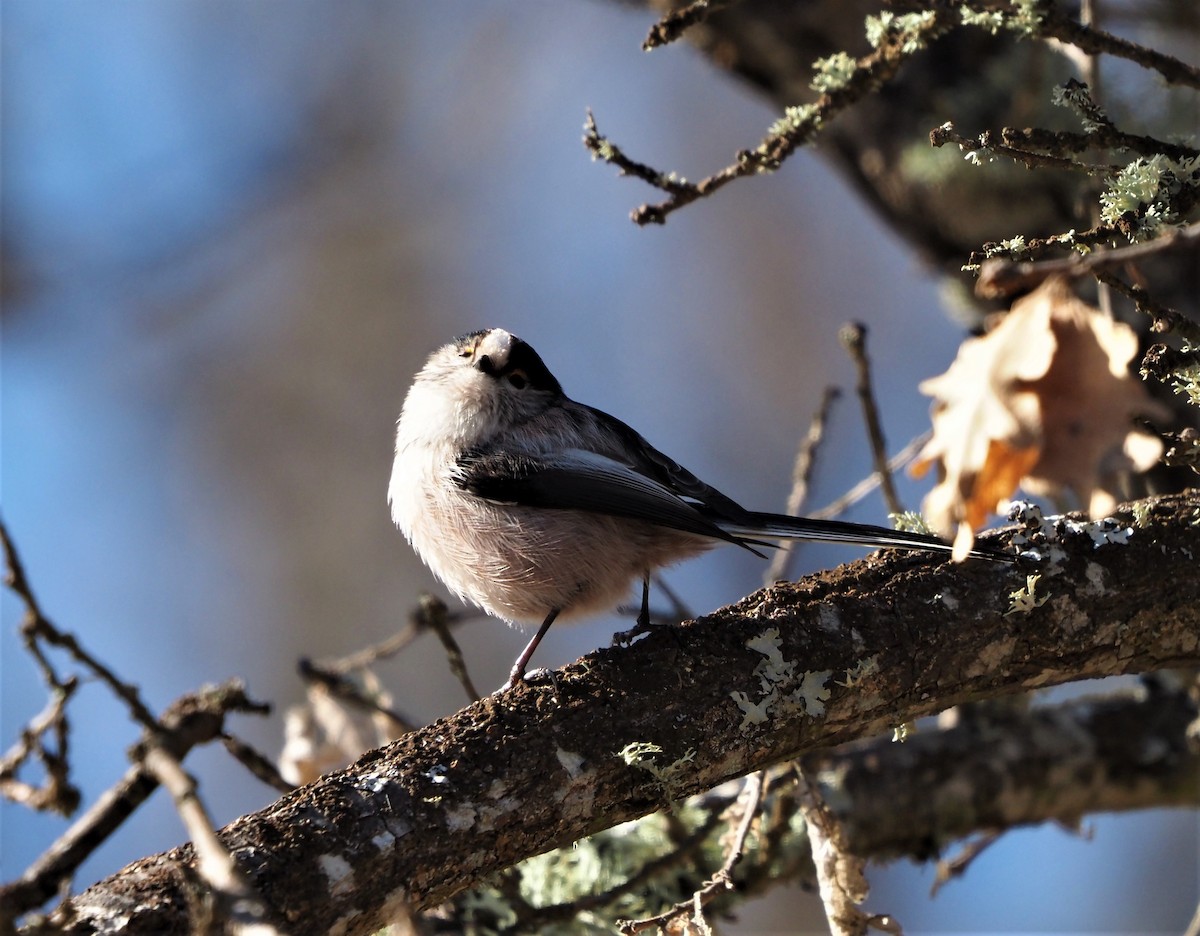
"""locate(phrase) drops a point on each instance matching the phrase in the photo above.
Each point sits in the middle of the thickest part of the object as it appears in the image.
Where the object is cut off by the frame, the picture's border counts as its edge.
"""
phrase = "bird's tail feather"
(768, 525)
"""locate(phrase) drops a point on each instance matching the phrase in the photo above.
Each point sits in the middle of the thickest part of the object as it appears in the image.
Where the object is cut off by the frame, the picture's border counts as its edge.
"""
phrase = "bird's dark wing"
(574, 479)
(644, 458)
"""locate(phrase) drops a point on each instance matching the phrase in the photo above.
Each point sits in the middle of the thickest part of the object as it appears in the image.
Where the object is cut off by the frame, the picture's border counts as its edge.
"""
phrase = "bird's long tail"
(759, 526)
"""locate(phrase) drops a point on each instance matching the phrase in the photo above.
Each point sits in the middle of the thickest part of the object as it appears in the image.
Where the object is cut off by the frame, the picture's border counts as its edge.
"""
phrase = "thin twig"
(434, 613)
(864, 487)
(854, 340)
(677, 22)
(987, 144)
(802, 469)
(1164, 320)
(841, 878)
(1058, 142)
(1057, 22)
(950, 868)
(57, 794)
(189, 721)
(798, 128)
(238, 907)
(751, 796)
(256, 762)
(1000, 277)
(343, 687)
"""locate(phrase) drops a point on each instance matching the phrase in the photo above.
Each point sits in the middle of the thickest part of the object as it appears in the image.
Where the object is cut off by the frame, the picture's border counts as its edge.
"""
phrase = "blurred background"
(232, 232)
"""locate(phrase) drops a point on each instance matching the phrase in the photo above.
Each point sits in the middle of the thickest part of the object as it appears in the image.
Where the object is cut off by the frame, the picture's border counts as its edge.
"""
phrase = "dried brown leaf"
(1043, 401)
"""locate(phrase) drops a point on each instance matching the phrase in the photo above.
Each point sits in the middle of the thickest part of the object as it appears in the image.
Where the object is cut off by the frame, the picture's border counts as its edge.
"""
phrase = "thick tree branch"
(840, 655)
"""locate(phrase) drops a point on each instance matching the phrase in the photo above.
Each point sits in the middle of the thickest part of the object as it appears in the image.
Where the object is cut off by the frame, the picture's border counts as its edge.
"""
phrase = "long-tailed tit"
(535, 507)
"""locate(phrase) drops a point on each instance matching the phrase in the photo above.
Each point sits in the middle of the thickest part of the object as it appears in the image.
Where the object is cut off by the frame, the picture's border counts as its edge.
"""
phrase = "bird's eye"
(466, 352)
(518, 379)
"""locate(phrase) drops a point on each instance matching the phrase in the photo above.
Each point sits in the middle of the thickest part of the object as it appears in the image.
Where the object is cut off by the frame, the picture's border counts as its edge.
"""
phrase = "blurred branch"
(1056, 22)
(514, 775)
(233, 905)
(675, 23)
(191, 720)
(864, 487)
(854, 339)
(691, 911)
(802, 468)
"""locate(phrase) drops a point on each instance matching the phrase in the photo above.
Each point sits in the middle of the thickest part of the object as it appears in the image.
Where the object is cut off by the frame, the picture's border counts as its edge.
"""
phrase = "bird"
(536, 508)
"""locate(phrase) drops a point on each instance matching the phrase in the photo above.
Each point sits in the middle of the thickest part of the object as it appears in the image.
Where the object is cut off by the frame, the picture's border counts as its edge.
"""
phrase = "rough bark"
(891, 638)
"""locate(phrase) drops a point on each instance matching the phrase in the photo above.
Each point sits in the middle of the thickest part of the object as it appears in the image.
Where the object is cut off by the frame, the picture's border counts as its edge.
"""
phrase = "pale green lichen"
(1146, 190)
(832, 72)
(910, 521)
(855, 676)
(794, 118)
(1024, 18)
(911, 29)
(1024, 600)
(643, 754)
(1185, 380)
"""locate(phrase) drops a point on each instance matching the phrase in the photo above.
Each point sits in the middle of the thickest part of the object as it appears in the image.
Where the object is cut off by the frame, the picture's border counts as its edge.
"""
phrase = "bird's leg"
(518, 671)
(625, 637)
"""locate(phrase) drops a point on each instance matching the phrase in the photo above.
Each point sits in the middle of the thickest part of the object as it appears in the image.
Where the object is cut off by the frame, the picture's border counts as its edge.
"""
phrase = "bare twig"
(950, 868)
(434, 613)
(238, 908)
(841, 876)
(189, 721)
(802, 469)
(343, 687)
(864, 487)
(58, 793)
(256, 762)
(1058, 142)
(677, 22)
(418, 624)
(750, 797)
(854, 339)
(1058, 23)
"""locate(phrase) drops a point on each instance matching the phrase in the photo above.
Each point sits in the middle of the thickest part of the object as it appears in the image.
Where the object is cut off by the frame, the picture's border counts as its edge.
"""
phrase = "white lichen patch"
(829, 618)
(462, 816)
(1095, 575)
(992, 656)
(779, 691)
(383, 841)
(571, 762)
(1042, 534)
(753, 713)
(946, 600)
(338, 872)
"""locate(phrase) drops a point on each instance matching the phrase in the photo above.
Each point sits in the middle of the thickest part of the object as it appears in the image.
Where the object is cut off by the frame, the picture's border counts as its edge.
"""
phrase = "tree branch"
(840, 655)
